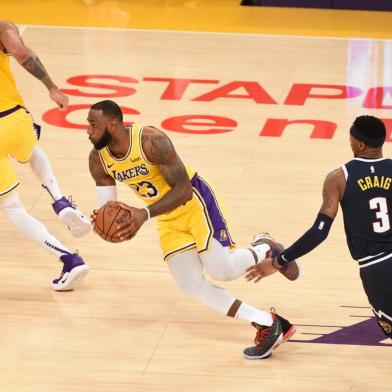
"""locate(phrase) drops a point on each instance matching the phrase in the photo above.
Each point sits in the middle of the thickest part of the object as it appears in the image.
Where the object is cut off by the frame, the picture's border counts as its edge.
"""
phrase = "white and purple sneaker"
(77, 223)
(74, 270)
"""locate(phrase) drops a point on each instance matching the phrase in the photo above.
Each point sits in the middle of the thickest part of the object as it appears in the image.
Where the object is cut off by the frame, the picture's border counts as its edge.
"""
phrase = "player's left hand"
(260, 270)
(59, 97)
(128, 229)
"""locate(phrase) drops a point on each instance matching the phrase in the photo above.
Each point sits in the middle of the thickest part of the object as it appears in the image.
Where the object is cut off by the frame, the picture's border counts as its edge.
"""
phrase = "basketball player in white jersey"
(18, 139)
(193, 230)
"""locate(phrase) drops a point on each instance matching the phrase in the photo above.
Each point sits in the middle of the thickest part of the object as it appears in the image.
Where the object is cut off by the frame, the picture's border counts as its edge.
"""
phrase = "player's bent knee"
(221, 272)
(221, 275)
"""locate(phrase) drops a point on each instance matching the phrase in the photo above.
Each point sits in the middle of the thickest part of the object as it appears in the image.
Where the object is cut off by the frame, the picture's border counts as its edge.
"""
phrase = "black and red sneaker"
(288, 329)
(267, 338)
(291, 270)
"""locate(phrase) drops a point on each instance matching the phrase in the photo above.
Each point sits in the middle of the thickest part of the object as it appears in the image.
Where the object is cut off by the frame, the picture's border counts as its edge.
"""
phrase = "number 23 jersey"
(135, 170)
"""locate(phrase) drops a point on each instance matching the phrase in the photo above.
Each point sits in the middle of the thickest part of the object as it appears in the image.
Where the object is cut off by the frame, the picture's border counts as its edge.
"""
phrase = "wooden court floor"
(128, 328)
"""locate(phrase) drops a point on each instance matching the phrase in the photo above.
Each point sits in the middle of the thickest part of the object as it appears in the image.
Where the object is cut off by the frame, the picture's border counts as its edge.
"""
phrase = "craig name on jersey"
(375, 181)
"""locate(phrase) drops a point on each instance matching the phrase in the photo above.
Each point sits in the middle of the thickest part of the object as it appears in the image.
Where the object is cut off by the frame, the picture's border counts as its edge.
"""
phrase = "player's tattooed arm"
(97, 171)
(12, 43)
(333, 190)
(34, 66)
(159, 150)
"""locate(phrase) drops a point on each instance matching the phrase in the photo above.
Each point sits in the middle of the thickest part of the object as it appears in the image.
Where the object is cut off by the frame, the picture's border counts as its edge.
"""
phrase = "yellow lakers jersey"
(135, 170)
(9, 96)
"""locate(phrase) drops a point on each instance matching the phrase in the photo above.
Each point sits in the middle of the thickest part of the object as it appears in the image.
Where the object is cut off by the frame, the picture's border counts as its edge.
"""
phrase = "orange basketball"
(108, 217)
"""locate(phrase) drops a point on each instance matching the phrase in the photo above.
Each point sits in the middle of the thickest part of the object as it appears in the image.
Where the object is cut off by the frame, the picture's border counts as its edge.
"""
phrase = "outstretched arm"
(332, 194)
(12, 43)
(333, 189)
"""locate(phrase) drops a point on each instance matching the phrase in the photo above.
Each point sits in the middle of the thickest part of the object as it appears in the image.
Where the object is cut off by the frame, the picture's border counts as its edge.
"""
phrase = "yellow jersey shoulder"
(134, 169)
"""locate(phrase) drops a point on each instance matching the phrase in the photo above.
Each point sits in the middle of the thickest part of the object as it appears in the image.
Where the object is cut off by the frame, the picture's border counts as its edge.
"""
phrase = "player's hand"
(57, 96)
(260, 270)
(128, 229)
(93, 217)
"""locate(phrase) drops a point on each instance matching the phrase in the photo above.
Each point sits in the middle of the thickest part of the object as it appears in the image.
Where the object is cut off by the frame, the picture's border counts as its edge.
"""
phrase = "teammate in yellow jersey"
(193, 230)
(18, 139)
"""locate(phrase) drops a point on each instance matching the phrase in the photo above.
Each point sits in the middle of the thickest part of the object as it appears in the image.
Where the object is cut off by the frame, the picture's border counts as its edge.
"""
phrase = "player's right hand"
(93, 217)
(260, 270)
(57, 96)
(128, 229)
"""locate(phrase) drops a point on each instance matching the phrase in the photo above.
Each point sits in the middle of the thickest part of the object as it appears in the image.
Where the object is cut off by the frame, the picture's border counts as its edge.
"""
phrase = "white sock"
(31, 226)
(251, 314)
(42, 168)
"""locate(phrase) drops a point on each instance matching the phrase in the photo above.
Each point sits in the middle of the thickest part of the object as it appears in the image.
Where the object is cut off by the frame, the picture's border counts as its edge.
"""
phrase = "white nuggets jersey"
(135, 170)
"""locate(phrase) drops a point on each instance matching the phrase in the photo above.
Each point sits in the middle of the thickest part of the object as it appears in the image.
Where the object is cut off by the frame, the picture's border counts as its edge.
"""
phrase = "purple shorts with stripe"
(220, 230)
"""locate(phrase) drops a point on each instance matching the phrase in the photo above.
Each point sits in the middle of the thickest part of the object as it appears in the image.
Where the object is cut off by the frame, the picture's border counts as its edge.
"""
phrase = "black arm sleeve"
(312, 238)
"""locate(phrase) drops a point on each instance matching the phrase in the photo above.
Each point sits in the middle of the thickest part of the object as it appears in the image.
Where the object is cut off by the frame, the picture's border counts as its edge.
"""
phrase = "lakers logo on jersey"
(140, 170)
(223, 235)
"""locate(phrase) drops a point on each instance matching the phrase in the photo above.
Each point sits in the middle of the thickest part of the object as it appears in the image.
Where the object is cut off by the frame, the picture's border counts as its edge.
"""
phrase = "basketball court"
(263, 112)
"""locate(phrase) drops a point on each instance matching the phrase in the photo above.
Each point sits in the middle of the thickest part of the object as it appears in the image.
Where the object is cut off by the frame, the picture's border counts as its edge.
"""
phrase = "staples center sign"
(173, 89)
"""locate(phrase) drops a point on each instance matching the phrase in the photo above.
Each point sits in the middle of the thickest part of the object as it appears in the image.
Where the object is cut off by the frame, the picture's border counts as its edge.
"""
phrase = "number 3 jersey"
(367, 209)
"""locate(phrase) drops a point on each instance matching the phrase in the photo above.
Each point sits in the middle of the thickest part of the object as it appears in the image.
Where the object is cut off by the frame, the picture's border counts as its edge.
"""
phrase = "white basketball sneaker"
(67, 212)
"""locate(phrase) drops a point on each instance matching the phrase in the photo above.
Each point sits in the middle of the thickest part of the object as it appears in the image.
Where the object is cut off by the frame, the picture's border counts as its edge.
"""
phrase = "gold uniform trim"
(219, 208)
(207, 218)
(128, 152)
(141, 146)
(179, 250)
(103, 162)
(9, 189)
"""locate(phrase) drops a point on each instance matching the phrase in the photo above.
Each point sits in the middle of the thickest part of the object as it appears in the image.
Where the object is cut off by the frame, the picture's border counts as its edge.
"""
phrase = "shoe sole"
(290, 274)
(287, 336)
(73, 278)
(267, 353)
(78, 225)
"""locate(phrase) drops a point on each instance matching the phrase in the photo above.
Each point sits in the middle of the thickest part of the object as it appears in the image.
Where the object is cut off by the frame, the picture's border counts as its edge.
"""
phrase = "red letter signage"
(199, 124)
(300, 92)
(321, 129)
(116, 90)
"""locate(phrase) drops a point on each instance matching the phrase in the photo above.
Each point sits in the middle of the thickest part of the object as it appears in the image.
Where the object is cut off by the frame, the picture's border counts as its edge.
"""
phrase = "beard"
(103, 141)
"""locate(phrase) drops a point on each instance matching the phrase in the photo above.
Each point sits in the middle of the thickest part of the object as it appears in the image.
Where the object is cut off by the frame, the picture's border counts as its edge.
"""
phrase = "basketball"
(108, 217)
